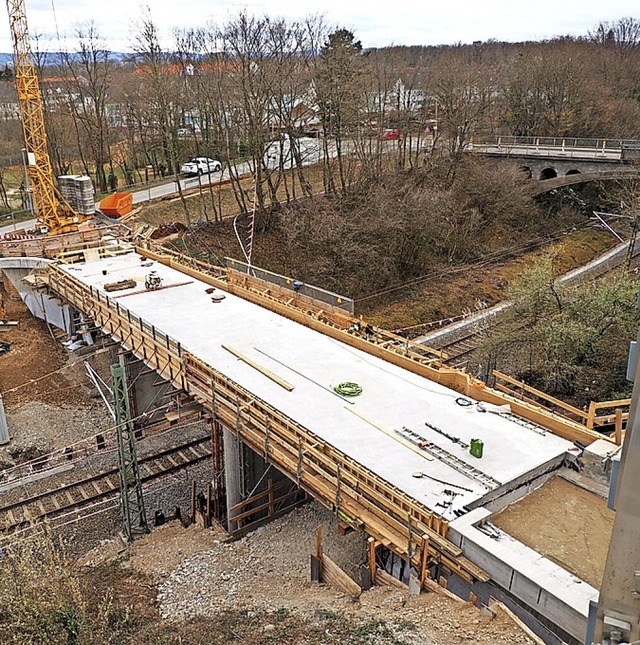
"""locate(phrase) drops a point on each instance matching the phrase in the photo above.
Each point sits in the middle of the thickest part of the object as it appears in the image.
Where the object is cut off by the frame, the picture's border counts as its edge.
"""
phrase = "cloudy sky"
(406, 22)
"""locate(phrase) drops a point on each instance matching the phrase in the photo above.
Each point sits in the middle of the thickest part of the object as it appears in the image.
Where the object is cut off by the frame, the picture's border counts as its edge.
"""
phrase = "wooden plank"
(591, 415)
(183, 411)
(383, 578)
(256, 366)
(424, 557)
(432, 585)
(319, 542)
(333, 574)
(618, 427)
(496, 605)
(257, 496)
(620, 403)
(371, 546)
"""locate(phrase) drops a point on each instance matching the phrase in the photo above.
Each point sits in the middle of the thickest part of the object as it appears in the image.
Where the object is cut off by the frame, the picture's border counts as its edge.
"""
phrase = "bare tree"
(87, 80)
(153, 64)
(622, 35)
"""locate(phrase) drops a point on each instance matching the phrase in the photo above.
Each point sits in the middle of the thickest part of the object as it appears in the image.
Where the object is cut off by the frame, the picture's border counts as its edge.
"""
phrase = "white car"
(201, 166)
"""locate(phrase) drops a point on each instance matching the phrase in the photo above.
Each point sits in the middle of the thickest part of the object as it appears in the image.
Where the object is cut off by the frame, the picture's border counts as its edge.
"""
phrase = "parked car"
(201, 166)
(390, 134)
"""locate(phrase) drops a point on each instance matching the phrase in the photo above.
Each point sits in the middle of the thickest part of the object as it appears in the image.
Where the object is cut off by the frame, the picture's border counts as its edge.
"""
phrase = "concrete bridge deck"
(312, 364)
(344, 452)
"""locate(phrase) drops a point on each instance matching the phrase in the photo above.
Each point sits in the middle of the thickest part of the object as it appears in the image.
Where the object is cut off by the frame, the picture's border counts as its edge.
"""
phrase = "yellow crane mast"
(53, 213)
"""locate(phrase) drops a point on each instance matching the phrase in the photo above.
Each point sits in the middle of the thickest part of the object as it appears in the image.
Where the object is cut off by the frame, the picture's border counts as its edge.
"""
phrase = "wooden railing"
(619, 409)
(276, 497)
(50, 247)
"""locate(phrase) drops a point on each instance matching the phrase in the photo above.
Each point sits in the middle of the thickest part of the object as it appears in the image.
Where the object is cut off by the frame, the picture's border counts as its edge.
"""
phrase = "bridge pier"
(147, 391)
(232, 473)
(255, 489)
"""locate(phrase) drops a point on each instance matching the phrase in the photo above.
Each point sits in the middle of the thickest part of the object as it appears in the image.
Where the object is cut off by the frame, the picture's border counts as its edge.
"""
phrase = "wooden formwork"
(356, 493)
(50, 247)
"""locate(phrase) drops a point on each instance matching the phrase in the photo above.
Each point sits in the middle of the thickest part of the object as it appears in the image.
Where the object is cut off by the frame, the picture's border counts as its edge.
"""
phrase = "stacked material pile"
(78, 191)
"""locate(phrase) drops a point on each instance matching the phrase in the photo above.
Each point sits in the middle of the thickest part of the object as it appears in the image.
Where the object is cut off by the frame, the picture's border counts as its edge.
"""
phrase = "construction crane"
(53, 213)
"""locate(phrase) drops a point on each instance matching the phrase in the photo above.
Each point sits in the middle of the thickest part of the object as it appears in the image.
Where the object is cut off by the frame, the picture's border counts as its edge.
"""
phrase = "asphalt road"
(149, 193)
(170, 187)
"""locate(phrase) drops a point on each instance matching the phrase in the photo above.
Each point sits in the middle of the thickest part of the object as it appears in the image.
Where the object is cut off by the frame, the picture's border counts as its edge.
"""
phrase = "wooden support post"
(591, 415)
(424, 560)
(319, 542)
(272, 506)
(319, 550)
(299, 464)
(193, 501)
(618, 427)
(372, 558)
(207, 522)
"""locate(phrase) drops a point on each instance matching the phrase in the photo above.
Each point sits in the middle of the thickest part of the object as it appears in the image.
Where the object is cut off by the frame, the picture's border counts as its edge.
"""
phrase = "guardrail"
(557, 142)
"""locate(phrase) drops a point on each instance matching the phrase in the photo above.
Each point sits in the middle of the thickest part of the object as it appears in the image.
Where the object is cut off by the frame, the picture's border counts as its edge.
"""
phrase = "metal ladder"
(446, 457)
(524, 423)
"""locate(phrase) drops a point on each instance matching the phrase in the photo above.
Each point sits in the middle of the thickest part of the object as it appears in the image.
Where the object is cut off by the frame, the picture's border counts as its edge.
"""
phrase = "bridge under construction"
(417, 455)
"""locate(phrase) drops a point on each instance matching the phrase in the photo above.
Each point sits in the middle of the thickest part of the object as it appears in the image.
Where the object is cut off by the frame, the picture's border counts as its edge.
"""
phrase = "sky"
(376, 24)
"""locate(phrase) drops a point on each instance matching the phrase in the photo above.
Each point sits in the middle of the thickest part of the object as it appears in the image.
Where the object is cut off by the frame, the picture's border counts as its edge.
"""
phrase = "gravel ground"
(104, 527)
(267, 572)
(37, 428)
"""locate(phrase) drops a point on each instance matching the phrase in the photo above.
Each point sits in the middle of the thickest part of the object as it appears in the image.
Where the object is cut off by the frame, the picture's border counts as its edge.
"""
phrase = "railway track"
(459, 351)
(84, 492)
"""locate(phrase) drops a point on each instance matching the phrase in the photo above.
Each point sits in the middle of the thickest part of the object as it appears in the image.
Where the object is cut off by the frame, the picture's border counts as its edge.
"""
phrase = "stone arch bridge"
(557, 162)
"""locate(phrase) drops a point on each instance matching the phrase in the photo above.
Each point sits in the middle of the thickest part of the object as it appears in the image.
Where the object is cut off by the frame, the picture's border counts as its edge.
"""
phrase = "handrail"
(603, 143)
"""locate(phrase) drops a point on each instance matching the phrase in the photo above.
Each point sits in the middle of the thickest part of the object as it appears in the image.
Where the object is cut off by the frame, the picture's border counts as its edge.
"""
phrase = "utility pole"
(617, 618)
(134, 517)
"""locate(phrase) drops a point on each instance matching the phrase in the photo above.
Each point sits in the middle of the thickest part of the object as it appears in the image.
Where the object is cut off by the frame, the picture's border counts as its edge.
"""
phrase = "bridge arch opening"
(573, 172)
(526, 171)
(548, 173)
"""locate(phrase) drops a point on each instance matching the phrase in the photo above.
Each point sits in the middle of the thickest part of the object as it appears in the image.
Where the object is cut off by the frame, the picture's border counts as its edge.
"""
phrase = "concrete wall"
(541, 584)
(38, 302)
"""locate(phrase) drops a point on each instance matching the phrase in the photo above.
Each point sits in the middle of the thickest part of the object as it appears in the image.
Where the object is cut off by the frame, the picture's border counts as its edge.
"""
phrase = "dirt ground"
(197, 575)
(566, 524)
(463, 291)
(34, 354)
(45, 390)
